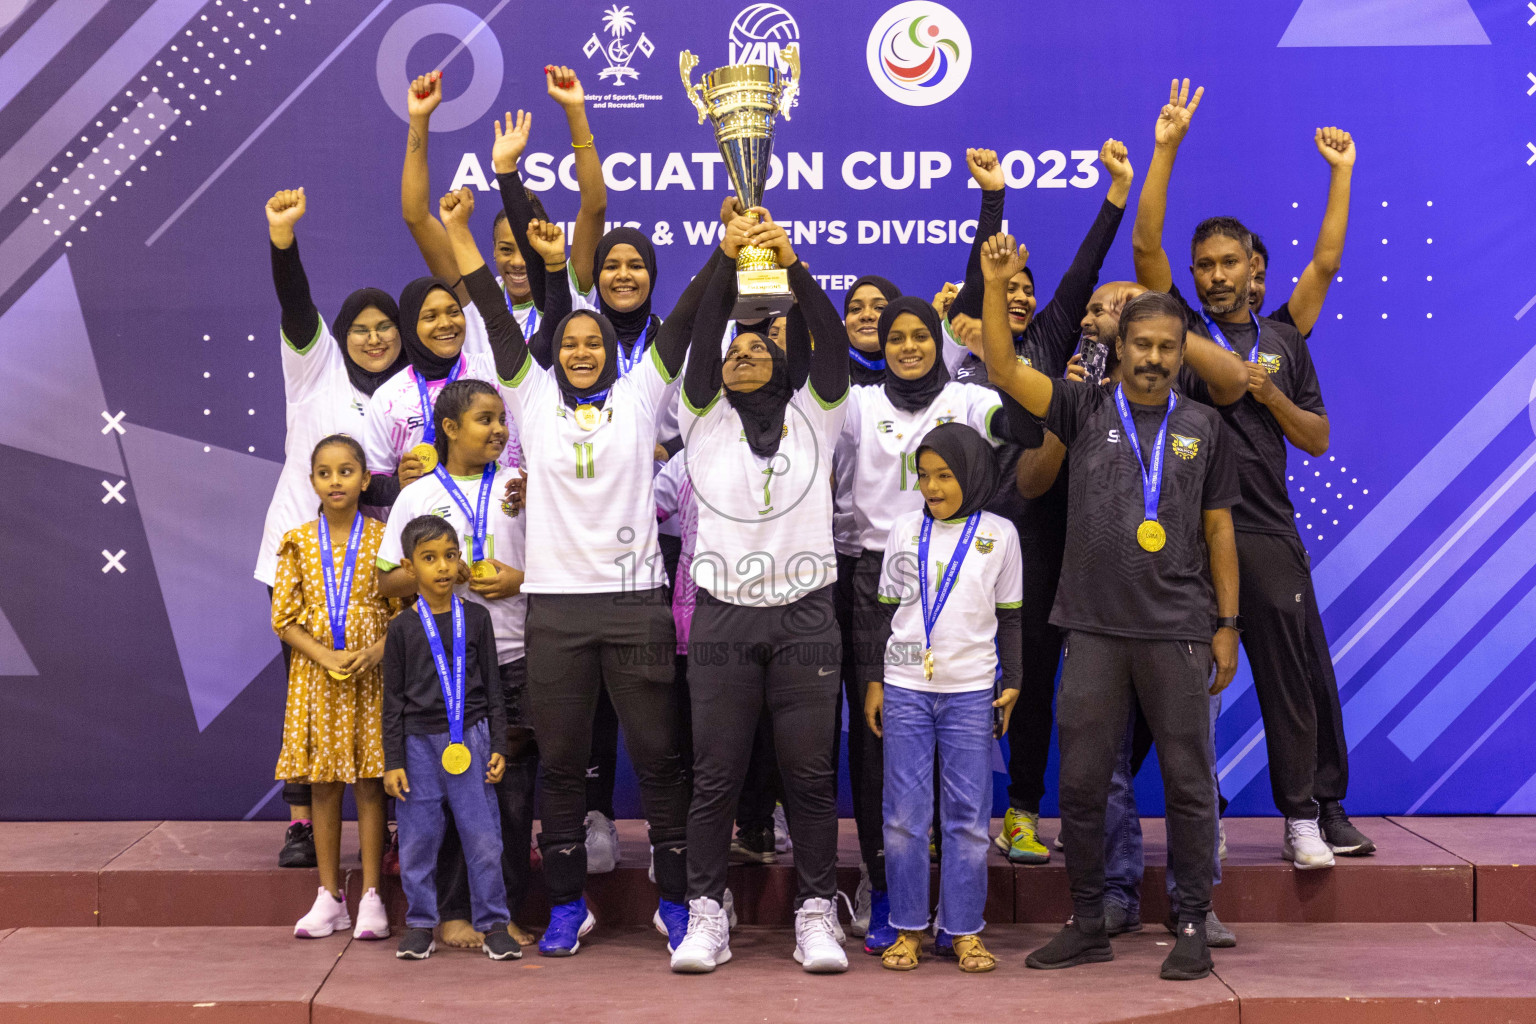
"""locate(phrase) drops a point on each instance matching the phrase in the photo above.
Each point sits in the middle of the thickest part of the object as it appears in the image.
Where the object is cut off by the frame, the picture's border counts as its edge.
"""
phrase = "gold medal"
(338, 676)
(928, 664)
(587, 416)
(456, 759)
(1151, 535)
(483, 569)
(426, 455)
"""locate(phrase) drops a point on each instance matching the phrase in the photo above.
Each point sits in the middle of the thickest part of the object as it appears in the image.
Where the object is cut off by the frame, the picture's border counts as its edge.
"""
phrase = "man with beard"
(1287, 647)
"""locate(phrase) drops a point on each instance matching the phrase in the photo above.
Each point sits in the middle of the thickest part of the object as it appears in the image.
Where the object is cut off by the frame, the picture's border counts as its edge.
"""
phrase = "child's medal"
(338, 593)
(946, 582)
(479, 517)
(1149, 533)
(426, 451)
(425, 454)
(456, 756)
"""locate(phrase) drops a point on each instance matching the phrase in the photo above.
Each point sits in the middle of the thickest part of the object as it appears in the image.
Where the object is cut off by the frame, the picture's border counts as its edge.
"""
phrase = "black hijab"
(366, 381)
(630, 326)
(570, 394)
(429, 364)
(862, 368)
(912, 395)
(970, 458)
(762, 411)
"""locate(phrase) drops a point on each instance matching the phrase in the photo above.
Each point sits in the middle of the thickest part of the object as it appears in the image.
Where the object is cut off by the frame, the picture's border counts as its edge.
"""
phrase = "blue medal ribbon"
(452, 683)
(1151, 479)
(629, 362)
(1221, 339)
(951, 572)
(428, 428)
(480, 515)
(865, 361)
(338, 593)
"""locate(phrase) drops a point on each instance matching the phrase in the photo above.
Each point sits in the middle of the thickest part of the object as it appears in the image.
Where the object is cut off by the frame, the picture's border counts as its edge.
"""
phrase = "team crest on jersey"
(1025, 361)
(1270, 361)
(943, 420)
(984, 545)
(1185, 448)
(782, 435)
(441, 511)
(885, 426)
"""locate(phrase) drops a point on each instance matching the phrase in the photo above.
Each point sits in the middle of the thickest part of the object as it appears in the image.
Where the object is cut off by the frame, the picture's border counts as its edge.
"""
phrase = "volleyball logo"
(919, 53)
(760, 32)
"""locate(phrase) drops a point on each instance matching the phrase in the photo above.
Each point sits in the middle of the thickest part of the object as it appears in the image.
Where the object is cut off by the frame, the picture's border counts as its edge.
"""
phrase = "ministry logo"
(760, 33)
(919, 53)
(618, 22)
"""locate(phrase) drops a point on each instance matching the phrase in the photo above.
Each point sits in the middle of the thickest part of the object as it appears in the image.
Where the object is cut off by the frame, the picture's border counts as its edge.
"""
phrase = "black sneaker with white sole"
(500, 945)
(298, 846)
(417, 944)
(1341, 834)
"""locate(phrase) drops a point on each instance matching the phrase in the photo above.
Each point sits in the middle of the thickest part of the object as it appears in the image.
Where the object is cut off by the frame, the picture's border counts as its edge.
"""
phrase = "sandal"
(903, 954)
(973, 956)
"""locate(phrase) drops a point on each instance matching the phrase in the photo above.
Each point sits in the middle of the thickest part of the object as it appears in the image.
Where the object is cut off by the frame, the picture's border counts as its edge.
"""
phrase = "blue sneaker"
(880, 934)
(671, 920)
(944, 945)
(568, 925)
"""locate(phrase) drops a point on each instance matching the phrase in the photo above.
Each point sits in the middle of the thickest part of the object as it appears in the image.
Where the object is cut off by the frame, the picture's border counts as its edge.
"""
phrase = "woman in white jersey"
(764, 632)
(598, 610)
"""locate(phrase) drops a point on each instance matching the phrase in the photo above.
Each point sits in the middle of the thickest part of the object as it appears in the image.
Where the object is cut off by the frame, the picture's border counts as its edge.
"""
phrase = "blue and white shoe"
(879, 934)
(569, 923)
(671, 920)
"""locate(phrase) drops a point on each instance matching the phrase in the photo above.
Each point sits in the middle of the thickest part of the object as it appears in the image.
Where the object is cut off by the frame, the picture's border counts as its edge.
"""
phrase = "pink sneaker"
(327, 916)
(372, 918)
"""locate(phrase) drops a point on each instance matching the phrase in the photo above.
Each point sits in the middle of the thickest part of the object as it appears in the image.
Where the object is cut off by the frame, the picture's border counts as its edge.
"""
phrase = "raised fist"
(563, 86)
(1336, 145)
(1001, 258)
(285, 209)
(985, 168)
(455, 207)
(548, 240)
(1116, 161)
(426, 92)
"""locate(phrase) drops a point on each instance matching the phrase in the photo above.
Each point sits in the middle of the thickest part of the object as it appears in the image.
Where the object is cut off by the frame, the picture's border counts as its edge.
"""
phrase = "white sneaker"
(327, 916)
(730, 910)
(708, 942)
(1221, 841)
(858, 919)
(818, 938)
(1304, 845)
(602, 843)
(372, 917)
(781, 841)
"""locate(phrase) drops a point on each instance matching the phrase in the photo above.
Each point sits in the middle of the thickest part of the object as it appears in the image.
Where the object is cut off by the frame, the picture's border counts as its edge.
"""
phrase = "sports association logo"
(618, 22)
(760, 33)
(1270, 361)
(919, 53)
(1185, 448)
(984, 545)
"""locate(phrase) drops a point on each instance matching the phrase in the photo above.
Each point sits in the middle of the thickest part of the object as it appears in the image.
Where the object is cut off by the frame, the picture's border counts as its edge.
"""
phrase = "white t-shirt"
(880, 441)
(321, 402)
(765, 525)
(990, 577)
(504, 541)
(393, 422)
(591, 509)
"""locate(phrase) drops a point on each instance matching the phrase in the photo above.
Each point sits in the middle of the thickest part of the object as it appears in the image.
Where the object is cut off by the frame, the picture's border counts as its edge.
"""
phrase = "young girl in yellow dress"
(332, 730)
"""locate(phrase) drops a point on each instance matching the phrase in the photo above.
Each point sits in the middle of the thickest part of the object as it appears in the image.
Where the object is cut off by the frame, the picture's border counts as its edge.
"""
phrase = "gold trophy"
(741, 100)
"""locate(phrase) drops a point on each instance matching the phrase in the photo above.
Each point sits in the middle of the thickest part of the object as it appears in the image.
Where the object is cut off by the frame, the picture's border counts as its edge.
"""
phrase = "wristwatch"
(1232, 622)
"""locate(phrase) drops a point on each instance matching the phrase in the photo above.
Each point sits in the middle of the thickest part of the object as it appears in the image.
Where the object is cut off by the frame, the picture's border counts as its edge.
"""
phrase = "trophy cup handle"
(790, 56)
(686, 62)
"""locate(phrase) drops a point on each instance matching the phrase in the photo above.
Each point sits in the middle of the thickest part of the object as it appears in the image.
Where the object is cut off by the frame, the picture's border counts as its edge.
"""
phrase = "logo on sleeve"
(1270, 361)
(1185, 448)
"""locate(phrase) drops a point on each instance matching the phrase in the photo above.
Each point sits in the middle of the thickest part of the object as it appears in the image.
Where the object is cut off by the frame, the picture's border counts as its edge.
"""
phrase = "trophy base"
(762, 294)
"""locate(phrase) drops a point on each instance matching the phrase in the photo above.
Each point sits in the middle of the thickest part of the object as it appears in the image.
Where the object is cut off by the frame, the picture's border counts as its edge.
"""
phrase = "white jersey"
(321, 402)
(765, 525)
(592, 510)
(990, 577)
(394, 421)
(881, 441)
(845, 531)
(504, 541)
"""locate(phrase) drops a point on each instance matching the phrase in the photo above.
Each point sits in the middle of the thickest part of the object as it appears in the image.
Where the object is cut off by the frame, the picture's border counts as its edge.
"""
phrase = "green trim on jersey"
(888, 600)
(666, 378)
(825, 404)
(949, 332)
(1012, 604)
(570, 272)
(697, 411)
(521, 374)
(384, 566)
(304, 349)
(991, 425)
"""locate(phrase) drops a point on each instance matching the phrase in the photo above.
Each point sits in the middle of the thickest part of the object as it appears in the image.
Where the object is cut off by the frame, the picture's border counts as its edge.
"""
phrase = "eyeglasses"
(360, 332)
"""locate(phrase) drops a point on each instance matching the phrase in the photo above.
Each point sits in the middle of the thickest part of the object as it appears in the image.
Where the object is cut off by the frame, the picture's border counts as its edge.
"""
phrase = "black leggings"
(866, 754)
(741, 660)
(578, 645)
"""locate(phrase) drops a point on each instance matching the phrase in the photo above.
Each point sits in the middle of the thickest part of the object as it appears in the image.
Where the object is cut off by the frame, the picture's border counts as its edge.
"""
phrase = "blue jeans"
(1123, 858)
(476, 816)
(959, 726)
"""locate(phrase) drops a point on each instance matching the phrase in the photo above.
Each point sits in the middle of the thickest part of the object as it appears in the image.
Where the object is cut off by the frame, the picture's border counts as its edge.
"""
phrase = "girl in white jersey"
(764, 632)
(598, 610)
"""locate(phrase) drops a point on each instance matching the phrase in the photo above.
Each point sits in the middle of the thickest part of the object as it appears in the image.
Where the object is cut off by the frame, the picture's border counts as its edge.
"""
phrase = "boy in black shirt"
(1149, 557)
(445, 736)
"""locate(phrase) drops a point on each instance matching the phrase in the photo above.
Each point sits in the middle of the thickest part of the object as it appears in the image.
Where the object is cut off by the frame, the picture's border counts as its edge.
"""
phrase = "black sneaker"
(1217, 935)
(417, 944)
(298, 847)
(1341, 834)
(754, 844)
(1190, 959)
(1082, 941)
(500, 945)
(1118, 920)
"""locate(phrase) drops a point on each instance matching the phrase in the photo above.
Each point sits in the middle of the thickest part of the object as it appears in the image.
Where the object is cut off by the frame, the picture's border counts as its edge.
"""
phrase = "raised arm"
(507, 344)
(828, 374)
(1152, 267)
(301, 320)
(702, 379)
(676, 332)
(988, 173)
(1001, 258)
(565, 89)
(1306, 301)
(422, 97)
(1224, 373)
(547, 241)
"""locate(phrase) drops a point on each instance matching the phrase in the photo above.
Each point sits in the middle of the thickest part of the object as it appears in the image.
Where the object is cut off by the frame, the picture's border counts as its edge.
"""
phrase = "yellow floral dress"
(332, 729)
